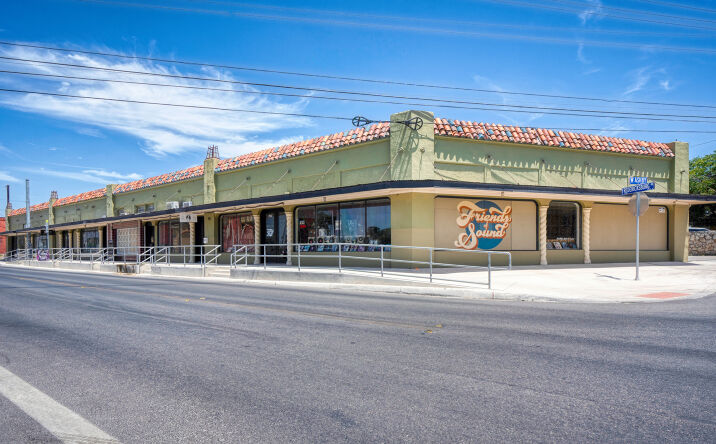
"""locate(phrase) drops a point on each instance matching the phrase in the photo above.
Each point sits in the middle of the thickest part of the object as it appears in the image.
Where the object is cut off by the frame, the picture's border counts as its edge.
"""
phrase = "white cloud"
(5, 177)
(92, 132)
(580, 55)
(163, 130)
(113, 174)
(593, 11)
(96, 176)
(4, 149)
(641, 78)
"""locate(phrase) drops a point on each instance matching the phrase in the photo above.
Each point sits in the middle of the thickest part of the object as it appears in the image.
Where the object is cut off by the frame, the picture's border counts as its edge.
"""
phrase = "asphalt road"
(159, 360)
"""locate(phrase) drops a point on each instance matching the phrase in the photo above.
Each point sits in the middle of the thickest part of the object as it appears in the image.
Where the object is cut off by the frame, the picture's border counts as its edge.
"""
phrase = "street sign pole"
(638, 207)
(636, 187)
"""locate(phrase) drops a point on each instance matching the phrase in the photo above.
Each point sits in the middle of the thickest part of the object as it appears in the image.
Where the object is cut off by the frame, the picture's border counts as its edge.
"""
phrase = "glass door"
(273, 231)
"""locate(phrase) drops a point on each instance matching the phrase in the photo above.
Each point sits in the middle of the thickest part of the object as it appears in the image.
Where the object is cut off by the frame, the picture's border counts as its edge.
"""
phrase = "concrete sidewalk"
(574, 283)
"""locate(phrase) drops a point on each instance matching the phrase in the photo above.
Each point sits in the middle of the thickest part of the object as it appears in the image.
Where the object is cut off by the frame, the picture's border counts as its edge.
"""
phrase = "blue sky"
(571, 47)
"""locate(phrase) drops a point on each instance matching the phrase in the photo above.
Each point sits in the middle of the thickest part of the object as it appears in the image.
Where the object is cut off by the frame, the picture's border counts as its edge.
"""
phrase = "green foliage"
(702, 174)
(702, 180)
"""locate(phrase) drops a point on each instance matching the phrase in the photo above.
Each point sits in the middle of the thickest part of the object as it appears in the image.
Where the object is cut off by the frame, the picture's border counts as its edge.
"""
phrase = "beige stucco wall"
(614, 228)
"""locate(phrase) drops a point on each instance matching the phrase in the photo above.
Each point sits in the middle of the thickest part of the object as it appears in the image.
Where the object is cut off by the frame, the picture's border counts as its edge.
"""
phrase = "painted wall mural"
(484, 222)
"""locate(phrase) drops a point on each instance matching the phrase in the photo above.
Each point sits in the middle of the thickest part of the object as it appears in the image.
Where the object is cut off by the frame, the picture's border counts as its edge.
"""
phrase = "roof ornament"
(212, 152)
(415, 123)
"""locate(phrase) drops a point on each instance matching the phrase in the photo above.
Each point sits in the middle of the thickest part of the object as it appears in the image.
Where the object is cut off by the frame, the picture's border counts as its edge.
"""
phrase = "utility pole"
(27, 213)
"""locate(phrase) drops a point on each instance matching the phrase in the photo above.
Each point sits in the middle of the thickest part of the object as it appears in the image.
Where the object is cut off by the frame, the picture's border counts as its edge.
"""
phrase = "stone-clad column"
(77, 239)
(289, 233)
(101, 237)
(586, 215)
(257, 236)
(543, 206)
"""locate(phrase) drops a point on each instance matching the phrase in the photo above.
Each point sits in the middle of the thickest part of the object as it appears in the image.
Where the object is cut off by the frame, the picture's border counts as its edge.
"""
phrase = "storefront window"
(358, 222)
(306, 225)
(326, 224)
(352, 222)
(563, 226)
(378, 221)
(236, 229)
(90, 239)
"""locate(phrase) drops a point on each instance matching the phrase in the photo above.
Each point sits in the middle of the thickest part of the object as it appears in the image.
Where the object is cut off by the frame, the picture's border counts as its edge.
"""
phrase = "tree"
(702, 180)
(702, 174)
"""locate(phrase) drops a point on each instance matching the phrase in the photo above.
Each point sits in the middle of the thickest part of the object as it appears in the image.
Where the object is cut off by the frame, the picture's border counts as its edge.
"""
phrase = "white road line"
(66, 425)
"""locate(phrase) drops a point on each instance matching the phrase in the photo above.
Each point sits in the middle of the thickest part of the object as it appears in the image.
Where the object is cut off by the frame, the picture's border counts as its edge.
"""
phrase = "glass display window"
(326, 223)
(236, 229)
(352, 222)
(563, 226)
(357, 222)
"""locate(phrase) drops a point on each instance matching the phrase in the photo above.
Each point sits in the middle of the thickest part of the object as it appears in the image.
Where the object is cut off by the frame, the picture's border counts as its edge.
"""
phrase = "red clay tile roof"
(176, 176)
(38, 207)
(357, 135)
(540, 136)
(443, 127)
(81, 197)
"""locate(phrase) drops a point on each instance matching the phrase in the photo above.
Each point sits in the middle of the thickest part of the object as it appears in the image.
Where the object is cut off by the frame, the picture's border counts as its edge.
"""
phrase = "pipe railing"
(241, 254)
(202, 255)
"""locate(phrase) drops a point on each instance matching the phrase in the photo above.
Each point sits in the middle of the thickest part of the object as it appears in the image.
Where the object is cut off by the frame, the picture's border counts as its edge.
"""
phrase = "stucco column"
(289, 234)
(257, 235)
(586, 215)
(543, 206)
(101, 237)
(77, 239)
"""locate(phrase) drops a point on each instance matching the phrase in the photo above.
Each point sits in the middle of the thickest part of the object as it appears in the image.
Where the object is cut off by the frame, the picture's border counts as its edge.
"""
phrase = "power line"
(611, 114)
(344, 78)
(633, 11)
(143, 102)
(316, 116)
(678, 5)
(418, 29)
(574, 11)
(450, 22)
(703, 143)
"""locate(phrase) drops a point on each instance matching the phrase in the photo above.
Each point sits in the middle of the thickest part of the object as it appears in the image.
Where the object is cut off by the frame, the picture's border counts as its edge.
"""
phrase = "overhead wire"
(678, 5)
(345, 78)
(373, 25)
(439, 102)
(317, 116)
(450, 22)
(539, 5)
(632, 11)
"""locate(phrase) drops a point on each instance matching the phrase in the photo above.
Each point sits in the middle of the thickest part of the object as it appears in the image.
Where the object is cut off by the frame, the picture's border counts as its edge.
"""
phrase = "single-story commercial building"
(545, 196)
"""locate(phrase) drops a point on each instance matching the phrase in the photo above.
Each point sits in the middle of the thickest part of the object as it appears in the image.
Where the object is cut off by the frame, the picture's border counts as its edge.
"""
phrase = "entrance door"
(273, 231)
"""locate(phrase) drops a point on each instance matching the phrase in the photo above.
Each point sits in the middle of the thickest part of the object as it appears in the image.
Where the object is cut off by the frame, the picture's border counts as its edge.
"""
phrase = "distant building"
(546, 196)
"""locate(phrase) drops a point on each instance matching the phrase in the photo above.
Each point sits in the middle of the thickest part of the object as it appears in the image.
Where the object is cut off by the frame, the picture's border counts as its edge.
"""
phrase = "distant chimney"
(53, 195)
(212, 152)
(9, 204)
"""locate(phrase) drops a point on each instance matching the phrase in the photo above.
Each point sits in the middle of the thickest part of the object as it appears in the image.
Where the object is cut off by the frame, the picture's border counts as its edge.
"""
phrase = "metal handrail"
(241, 254)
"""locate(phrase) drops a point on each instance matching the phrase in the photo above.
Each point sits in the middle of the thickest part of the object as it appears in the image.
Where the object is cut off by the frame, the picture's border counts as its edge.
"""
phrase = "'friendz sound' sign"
(485, 224)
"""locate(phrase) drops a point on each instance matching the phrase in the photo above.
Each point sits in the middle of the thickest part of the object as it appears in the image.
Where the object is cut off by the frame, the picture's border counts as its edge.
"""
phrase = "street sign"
(643, 205)
(638, 188)
(637, 180)
(187, 217)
